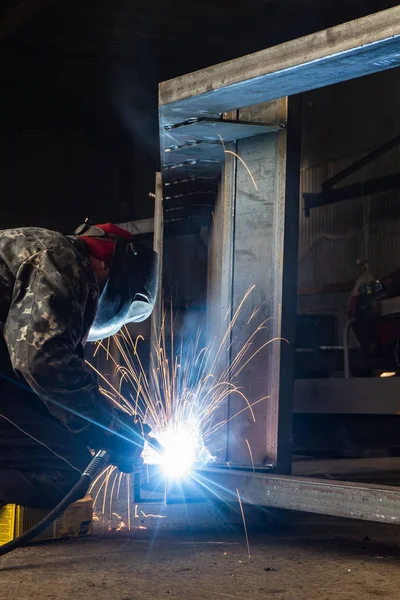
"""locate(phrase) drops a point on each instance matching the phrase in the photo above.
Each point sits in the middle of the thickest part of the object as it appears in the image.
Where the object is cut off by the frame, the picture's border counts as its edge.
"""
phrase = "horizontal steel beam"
(356, 395)
(350, 50)
(325, 360)
(363, 189)
(337, 498)
(177, 221)
(362, 162)
(138, 227)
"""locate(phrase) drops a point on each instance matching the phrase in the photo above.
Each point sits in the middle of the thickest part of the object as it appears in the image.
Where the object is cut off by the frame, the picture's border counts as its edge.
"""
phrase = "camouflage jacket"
(48, 301)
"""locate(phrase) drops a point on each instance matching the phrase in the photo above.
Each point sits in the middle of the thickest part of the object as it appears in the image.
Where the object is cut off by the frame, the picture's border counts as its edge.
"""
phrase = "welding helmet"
(130, 292)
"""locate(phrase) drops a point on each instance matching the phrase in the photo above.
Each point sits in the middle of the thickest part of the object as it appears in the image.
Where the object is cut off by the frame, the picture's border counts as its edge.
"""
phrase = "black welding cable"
(94, 468)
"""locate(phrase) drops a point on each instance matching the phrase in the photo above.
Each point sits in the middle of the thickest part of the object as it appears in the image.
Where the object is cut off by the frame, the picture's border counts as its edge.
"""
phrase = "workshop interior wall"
(340, 124)
(55, 179)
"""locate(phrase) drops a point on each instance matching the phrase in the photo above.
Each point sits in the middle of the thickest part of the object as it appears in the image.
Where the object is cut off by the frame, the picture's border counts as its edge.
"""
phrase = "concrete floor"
(299, 557)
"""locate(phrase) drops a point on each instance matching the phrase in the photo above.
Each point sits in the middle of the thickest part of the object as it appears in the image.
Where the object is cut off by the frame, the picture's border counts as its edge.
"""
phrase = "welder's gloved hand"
(125, 441)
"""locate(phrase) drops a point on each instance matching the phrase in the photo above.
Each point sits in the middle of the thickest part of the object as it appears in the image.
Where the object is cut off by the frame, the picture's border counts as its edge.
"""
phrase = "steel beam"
(220, 275)
(158, 246)
(264, 226)
(355, 395)
(336, 498)
(363, 189)
(350, 50)
(361, 163)
(138, 227)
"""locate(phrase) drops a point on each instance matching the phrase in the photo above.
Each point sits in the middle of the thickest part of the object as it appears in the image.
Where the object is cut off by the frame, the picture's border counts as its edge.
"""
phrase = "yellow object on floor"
(76, 521)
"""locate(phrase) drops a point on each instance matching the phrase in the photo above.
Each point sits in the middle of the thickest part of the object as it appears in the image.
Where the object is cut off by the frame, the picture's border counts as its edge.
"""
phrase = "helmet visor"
(130, 293)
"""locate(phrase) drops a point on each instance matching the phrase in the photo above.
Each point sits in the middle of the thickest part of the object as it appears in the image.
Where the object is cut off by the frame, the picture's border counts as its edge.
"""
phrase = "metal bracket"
(199, 150)
(215, 129)
(202, 140)
(191, 168)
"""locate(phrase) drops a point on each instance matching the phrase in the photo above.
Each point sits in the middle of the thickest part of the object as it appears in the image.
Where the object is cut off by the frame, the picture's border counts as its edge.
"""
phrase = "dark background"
(78, 100)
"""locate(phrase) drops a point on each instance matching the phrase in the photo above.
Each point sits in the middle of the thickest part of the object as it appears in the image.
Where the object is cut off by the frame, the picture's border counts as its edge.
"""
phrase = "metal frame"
(263, 81)
(350, 50)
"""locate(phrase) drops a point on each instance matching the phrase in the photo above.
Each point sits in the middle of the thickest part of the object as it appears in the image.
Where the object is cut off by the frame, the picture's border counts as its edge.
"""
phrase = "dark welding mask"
(130, 292)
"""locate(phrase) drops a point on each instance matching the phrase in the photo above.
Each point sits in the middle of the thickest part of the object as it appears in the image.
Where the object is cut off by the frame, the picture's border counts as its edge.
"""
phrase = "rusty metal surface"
(350, 50)
(337, 498)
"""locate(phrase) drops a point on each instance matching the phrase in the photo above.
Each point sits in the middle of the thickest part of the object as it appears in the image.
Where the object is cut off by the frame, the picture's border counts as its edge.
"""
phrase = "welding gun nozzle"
(155, 444)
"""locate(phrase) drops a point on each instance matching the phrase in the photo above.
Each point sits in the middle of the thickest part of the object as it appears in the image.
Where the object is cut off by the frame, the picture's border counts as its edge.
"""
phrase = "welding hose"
(94, 468)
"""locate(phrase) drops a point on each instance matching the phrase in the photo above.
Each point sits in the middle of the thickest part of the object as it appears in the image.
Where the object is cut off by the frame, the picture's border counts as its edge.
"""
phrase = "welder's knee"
(42, 489)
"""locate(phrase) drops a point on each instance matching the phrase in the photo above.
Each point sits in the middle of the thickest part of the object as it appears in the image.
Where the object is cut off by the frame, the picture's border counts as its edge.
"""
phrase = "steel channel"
(354, 49)
(282, 364)
(337, 498)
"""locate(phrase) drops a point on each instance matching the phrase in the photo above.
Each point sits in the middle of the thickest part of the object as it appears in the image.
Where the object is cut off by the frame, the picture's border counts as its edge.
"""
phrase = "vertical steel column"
(264, 239)
(280, 413)
(220, 278)
(220, 265)
(156, 317)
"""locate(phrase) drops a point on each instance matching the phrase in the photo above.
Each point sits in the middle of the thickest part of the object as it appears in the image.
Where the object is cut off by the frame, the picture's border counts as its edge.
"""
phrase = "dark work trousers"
(31, 474)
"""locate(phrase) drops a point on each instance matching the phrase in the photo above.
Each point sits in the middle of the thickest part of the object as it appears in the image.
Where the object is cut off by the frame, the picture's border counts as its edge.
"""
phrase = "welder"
(57, 293)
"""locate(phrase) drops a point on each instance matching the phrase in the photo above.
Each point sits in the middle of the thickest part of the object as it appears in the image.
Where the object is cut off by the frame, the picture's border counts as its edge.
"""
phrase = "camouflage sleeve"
(43, 334)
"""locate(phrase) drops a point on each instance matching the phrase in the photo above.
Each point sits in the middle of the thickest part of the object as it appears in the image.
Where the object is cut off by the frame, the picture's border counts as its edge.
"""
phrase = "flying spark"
(183, 395)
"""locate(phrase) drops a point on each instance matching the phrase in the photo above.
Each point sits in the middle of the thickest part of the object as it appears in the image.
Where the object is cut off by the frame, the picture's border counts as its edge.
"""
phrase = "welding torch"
(154, 443)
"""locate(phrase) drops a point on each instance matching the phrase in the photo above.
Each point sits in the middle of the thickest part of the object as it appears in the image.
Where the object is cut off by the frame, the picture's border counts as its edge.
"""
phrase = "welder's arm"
(43, 334)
